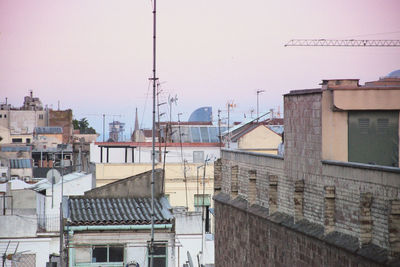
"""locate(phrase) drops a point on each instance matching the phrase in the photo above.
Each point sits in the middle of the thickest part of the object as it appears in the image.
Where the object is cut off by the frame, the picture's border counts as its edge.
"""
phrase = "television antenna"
(190, 261)
(10, 257)
(53, 176)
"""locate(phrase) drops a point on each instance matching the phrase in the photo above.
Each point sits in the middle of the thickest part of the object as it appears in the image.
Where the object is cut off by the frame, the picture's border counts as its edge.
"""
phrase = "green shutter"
(374, 137)
(198, 200)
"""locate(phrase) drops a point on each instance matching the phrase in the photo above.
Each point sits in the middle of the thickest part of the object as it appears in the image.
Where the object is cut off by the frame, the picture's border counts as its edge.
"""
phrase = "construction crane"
(343, 42)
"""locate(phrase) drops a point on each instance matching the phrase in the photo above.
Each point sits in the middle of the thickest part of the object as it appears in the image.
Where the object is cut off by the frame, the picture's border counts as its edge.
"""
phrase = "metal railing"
(48, 223)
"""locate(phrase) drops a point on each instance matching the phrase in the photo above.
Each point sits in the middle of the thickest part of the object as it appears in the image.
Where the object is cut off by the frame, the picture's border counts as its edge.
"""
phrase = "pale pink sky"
(95, 56)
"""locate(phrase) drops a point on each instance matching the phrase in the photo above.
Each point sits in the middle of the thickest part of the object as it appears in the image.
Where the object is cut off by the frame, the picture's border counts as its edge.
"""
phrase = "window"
(1, 115)
(159, 255)
(373, 137)
(28, 140)
(204, 134)
(195, 134)
(40, 116)
(198, 156)
(16, 140)
(108, 253)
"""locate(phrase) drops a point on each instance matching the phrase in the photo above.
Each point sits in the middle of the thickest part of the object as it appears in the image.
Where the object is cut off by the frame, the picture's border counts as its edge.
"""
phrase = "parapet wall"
(349, 201)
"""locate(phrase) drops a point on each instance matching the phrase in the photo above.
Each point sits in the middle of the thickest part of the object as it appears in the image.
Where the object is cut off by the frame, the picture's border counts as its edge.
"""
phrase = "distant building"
(18, 161)
(203, 114)
(257, 136)
(116, 131)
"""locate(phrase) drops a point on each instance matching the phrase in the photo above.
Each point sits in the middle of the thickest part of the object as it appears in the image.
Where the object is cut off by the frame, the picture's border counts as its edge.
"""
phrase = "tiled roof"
(117, 211)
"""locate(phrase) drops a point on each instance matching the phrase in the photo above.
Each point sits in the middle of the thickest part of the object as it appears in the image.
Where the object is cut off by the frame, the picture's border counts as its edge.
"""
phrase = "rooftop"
(118, 211)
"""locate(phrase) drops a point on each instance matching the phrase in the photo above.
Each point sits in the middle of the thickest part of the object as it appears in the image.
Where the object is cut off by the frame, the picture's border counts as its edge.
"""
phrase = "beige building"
(361, 123)
(253, 136)
(179, 193)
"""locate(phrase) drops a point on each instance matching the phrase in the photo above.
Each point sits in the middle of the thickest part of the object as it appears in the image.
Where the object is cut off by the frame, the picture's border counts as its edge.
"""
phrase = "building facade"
(312, 207)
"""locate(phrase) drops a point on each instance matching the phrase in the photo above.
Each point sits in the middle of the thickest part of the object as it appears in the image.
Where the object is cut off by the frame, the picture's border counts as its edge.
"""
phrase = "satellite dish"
(53, 176)
(190, 259)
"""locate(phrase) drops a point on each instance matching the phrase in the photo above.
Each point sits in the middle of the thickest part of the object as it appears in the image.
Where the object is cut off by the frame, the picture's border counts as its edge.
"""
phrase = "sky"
(95, 56)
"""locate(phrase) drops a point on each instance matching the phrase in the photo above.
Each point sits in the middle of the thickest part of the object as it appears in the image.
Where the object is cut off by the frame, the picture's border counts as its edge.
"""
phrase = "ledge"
(362, 166)
(237, 151)
(337, 239)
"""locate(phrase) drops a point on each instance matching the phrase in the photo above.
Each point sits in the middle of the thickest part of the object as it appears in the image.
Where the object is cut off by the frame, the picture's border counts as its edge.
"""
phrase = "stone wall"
(241, 165)
(303, 146)
(245, 236)
(357, 205)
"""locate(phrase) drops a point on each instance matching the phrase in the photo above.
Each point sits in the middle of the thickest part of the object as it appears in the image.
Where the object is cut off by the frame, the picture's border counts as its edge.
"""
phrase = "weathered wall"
(138, 186)
(25, 121)
(303, 144)
(248, 237)
(62, 118)
(352, 181)
(266, 166)
(352, 200)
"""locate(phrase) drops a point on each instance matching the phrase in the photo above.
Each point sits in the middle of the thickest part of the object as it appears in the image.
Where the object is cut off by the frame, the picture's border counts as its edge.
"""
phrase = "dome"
(203, 114)
(394, 74)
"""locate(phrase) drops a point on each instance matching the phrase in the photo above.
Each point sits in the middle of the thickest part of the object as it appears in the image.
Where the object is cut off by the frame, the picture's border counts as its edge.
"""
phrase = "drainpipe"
(73, 229)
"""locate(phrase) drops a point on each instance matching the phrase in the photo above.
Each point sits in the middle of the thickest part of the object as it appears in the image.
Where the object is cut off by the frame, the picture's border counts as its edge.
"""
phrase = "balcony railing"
(48, 223)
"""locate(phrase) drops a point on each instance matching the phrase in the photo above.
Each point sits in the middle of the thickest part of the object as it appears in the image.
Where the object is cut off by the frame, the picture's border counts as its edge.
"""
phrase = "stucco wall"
(334, 130)
(260, 138)
(367, 99)
(135, 244)
(21, 225)
(25, 121)
(175, 186)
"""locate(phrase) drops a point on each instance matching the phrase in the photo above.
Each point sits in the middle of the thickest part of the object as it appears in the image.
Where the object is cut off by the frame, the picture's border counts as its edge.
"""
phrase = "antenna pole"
(104, 125)
(183, 158)
(219, 131)
(258, 92)
(153, 136)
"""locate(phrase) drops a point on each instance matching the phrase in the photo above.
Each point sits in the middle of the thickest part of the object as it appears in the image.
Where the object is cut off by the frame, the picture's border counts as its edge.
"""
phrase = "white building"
(31, 218)
(134, 152)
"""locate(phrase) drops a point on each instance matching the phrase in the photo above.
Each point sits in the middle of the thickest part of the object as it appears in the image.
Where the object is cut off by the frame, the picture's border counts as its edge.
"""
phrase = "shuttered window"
(373, 137)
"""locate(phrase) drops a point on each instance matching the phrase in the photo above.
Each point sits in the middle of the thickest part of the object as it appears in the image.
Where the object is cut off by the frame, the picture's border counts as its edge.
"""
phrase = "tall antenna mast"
(153, 136)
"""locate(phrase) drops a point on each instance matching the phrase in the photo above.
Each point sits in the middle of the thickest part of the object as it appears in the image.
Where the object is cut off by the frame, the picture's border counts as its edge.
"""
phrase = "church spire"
(136, 122)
